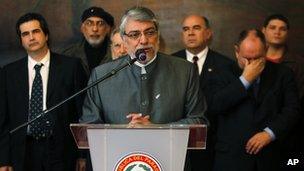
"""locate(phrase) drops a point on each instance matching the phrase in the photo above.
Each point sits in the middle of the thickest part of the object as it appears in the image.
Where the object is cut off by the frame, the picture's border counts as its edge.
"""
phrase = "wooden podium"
(155, 147)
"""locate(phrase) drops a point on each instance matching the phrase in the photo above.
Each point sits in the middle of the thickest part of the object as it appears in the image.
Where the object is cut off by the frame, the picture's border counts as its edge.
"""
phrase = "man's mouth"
(147, 49)
(94, 36)
(33, 44)
(191, 40)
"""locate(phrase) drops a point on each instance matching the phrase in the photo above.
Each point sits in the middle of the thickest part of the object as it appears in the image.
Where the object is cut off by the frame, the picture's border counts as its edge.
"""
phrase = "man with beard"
(150, 93)
(94, 49)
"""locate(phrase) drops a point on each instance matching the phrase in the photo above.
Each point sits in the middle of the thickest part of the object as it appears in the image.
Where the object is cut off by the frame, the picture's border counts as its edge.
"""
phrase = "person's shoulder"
(293, 57)
(173, 60)
(181, 53)
(72, 48)
(174, 64)
(109, 65)
(16, 64)
(279, 68)
(67, 61)
(222, 59)
(63, 57)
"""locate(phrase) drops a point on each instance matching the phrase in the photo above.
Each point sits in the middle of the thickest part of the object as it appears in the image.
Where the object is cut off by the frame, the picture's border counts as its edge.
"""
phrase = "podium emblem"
(138, 162)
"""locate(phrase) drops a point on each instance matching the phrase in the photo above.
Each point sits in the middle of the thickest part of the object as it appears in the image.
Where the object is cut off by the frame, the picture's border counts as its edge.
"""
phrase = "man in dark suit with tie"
(32, 84)
(256, 104)
(196, 34)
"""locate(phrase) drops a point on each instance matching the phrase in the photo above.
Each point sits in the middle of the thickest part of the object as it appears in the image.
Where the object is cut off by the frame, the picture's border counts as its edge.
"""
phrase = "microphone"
(141, 55)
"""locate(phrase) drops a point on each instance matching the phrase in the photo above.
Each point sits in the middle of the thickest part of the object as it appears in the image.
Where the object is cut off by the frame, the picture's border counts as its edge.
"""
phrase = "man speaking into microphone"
(157, 89)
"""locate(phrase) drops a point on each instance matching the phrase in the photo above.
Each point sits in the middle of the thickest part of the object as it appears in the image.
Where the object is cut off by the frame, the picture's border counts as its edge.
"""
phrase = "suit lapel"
(54, 72)
(266, 81)
(23, 77)
(181, 54)
(207, 69)
(22, 86)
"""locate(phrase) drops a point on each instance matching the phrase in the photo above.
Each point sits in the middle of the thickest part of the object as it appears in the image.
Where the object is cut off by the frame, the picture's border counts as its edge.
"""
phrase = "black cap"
(97, 12)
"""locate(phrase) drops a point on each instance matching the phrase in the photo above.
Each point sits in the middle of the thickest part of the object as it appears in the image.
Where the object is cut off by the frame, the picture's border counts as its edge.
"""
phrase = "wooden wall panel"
(228, 18)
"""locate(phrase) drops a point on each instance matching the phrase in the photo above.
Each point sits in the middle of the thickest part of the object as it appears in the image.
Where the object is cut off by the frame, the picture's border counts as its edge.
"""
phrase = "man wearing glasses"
(94, 49)
(160, 89)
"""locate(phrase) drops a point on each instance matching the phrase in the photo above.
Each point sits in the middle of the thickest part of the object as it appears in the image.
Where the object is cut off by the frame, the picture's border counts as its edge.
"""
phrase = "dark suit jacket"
(66, 76)
(214, 64)
(241, 115)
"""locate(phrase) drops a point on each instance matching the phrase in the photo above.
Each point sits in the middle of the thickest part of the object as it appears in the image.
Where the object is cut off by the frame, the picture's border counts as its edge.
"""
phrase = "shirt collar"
(200, 55)
(142, 66)
(45, 61)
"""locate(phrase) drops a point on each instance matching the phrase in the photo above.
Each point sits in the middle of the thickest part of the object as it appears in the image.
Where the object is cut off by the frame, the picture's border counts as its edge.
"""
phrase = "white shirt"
(143, 70)
(201, 58)
(44, 74)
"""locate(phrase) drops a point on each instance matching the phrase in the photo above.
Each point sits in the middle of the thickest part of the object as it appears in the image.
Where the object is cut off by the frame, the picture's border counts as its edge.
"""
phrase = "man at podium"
(159, 89)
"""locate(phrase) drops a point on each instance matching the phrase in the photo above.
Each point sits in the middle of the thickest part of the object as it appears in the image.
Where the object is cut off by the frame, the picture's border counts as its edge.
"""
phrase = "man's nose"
(190, 32)
(31, 36)
(143, 39)
(277, 31)
(95, 27)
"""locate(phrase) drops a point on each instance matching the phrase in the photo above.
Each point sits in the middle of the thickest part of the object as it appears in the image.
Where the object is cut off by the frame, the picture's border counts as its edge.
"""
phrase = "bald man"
(196, 34)
(256, 106)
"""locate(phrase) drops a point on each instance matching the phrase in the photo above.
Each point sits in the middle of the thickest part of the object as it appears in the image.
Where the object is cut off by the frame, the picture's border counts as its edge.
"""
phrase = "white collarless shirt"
(44, 74)
(201, 58)
(142, 66)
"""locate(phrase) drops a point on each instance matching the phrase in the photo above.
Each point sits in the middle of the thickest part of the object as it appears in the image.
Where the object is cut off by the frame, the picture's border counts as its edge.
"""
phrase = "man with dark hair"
(31, 85)
(256, 106)
(275, 29)
(196, 34)
(94, 48)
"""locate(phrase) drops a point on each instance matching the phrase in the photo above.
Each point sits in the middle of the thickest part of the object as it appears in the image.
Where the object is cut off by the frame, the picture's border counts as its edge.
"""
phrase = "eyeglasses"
(135, 35)
(90, 23)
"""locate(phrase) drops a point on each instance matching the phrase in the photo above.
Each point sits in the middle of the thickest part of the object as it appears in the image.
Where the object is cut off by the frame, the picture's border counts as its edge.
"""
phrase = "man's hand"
(138, 119)
(253, 69)
(6, 168)
(257, 142)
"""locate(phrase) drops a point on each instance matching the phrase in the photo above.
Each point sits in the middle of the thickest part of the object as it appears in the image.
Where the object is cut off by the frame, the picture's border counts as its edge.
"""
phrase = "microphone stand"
(46, 111)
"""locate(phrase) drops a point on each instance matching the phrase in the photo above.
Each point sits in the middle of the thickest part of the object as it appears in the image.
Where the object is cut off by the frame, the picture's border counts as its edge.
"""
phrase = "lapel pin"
(209, 69)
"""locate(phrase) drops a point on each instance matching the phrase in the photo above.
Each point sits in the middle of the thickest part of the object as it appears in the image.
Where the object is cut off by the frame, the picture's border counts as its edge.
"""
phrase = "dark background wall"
(228, 18)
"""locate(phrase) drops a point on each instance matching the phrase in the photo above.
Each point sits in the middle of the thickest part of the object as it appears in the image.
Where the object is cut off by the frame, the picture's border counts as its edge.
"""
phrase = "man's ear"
(82, 28)
(109, 30)
(263, 30)
(236, 50)
(209, 33)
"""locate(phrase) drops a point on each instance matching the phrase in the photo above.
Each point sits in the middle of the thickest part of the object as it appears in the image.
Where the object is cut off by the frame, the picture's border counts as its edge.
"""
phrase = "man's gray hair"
(137, 14)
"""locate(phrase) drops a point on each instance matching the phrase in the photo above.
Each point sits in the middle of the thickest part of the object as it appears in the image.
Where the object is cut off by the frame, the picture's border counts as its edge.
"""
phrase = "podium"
(155, 147)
